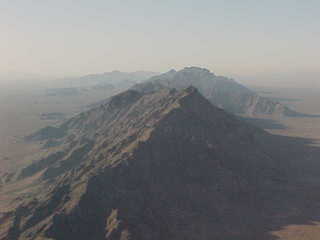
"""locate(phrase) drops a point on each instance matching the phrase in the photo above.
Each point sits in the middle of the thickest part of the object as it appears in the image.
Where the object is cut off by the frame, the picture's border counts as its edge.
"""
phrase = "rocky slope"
(220, 91)
(156, 165)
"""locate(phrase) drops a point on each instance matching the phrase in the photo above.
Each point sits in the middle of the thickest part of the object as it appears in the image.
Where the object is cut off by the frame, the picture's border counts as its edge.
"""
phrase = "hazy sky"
(244, 38)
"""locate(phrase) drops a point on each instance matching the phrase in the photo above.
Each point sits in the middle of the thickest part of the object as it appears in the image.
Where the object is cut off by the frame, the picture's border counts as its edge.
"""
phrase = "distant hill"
(108, 82)
(117, 76)
(220, 91)
(157, 165)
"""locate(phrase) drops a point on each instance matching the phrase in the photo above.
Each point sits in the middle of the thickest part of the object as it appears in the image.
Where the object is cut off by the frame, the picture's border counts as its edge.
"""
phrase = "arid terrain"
(304, 100)
(304, 224)
(26, 108)
(291, 213)
(20, 115)
(160, 120)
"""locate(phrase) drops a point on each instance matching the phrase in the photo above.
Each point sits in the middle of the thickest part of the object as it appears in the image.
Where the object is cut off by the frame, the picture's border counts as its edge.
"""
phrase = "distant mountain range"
(163, 164)
(221, 91)
(114, 77)
(109, 82)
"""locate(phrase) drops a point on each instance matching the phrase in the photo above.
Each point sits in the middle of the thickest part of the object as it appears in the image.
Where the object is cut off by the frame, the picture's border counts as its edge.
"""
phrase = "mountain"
(155, 165)
(220, 91)
(115, 78)
(109, 83)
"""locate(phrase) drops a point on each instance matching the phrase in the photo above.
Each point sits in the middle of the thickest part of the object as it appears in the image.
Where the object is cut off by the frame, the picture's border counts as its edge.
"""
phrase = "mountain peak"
(194, 68)
(201, 72)
(172, 71)
(143, 160)
(221, 91)
(191, 89)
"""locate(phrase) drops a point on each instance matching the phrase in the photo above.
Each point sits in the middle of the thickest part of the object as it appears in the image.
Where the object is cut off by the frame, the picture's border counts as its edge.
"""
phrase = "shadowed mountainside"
(162, 165)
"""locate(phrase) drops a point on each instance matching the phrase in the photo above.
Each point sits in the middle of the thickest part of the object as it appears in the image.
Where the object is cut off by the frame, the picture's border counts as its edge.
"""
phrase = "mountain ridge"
(156, 150)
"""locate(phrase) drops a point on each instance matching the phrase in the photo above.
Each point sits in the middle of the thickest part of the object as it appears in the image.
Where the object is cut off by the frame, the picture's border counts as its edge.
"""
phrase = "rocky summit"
(157, 165)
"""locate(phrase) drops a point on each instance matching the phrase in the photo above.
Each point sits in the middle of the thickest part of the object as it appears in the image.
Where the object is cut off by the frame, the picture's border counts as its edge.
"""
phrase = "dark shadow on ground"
(264, 123)
(295, 201)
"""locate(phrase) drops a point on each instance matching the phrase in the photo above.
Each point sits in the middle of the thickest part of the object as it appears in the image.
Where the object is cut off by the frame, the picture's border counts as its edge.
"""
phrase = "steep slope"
(220, 91)
(160, 165)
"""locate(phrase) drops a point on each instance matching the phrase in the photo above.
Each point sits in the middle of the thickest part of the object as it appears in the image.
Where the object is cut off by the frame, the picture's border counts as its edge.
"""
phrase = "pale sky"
(230, 37)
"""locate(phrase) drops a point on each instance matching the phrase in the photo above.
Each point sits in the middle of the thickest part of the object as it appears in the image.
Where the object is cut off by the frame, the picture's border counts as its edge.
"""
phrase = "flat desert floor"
(302, 100)
(20, 115)
(302, 222)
